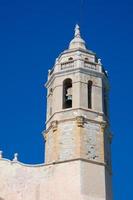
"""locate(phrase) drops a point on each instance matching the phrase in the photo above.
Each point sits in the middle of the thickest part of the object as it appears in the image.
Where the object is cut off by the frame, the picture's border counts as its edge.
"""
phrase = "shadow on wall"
(1, 198)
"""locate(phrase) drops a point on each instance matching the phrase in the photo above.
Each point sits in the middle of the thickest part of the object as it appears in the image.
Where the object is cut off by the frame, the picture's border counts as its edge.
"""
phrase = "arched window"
(70, 58)
(90, 94)
(67, 93)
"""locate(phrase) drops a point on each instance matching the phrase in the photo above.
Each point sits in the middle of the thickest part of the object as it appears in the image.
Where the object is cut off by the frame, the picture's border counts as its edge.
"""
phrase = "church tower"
(77, 125)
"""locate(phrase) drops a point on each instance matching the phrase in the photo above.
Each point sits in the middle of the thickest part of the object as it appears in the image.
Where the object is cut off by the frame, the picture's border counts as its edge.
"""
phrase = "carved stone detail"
(45, 137)
(54, 125)
(80, 121)
(15, 159)
(103, 127)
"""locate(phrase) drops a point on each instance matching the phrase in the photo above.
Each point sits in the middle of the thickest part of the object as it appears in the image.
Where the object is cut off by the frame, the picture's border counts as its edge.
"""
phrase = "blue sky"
(32, 35)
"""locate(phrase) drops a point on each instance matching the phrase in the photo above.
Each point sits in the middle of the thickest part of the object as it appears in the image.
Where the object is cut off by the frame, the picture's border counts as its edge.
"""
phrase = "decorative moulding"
(54, 125)
(80, 121)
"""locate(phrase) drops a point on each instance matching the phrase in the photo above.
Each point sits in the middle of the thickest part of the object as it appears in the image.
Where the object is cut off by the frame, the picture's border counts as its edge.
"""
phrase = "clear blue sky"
(32, 34)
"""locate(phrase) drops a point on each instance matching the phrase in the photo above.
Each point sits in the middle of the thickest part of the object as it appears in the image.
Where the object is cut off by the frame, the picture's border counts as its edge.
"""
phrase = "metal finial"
(1, 154)
(77, 31)
(15, 157)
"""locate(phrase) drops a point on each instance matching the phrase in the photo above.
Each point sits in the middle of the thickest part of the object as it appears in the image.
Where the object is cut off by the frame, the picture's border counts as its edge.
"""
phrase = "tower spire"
(77, 42)
(77, 31)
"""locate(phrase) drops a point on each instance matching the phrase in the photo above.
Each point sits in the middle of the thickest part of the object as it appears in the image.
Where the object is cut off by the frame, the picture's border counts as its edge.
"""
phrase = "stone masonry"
(77, 136)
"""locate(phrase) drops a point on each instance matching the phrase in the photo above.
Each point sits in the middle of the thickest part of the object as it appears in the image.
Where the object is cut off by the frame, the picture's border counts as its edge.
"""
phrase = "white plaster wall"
(74, 180)
(92, 180)
(52, 182)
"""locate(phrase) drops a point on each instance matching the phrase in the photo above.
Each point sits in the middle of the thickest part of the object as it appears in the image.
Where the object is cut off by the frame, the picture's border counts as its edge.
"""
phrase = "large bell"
(69, 94)
(68, 98)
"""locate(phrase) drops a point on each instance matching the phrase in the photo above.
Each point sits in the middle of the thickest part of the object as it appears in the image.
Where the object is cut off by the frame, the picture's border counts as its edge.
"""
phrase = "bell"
(69, 94)
(68, 97)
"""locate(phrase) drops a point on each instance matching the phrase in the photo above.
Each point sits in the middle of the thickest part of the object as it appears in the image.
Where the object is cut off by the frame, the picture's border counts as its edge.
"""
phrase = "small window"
(90, 94)
(67, 93)
(70, 58)
(86, 59)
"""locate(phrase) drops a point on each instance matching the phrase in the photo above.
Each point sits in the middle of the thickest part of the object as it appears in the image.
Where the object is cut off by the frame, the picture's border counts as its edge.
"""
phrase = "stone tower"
(78, 138)
(77, 125)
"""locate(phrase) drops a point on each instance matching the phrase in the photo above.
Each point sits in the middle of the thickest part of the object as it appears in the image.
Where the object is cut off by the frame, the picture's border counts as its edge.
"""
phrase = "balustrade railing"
(90, 66)
(67, 65)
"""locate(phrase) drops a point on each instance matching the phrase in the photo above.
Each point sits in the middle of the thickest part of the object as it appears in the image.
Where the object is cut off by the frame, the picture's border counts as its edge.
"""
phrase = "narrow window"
(90, 94)
(67, 93)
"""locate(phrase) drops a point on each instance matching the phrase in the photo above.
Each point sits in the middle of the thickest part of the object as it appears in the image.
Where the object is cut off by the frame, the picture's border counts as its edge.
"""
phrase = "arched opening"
(90, 94)
(67, 93)
(70, 58)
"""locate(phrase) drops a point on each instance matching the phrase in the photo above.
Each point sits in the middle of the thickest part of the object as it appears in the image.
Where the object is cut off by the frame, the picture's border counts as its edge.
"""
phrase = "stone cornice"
(77, 49)
(81, 124)
(54, 162)
(73, 109)
(74, 70)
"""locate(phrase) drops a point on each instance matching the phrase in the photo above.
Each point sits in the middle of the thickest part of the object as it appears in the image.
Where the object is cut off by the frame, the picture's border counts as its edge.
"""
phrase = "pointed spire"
(77, 31)
(77, 42)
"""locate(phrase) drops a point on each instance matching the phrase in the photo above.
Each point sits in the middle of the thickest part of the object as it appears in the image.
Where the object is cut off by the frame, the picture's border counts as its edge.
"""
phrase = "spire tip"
(77, 31)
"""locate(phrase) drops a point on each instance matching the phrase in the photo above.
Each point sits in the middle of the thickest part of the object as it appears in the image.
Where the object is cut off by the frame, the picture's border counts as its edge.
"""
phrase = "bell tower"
(77, 125)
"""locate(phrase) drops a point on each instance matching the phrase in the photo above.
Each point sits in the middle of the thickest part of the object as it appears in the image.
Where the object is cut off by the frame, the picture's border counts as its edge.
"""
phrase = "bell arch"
(67, 93)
